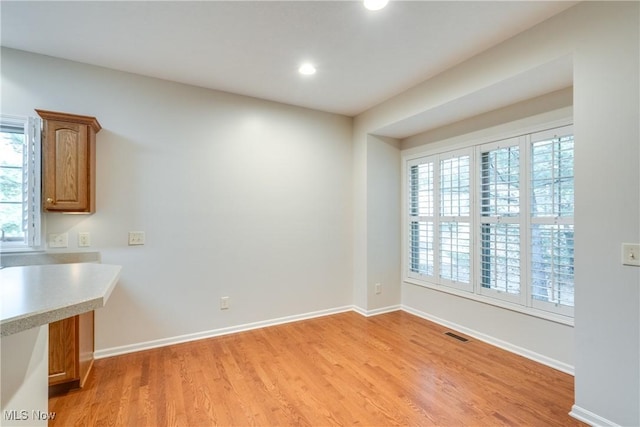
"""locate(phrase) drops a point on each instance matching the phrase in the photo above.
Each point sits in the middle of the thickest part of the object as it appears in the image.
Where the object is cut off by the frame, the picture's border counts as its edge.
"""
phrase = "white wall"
(603, 40)
(548, 107)
(607, 131)
(238, 197)
(383, 229)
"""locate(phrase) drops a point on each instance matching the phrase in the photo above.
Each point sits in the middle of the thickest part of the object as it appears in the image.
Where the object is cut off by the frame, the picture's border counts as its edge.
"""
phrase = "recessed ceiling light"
(375, 4)
(307, 69)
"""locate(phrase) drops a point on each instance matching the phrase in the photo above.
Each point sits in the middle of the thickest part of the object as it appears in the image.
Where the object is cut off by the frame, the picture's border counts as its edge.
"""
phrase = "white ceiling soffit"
(254, 48)
(538, 81)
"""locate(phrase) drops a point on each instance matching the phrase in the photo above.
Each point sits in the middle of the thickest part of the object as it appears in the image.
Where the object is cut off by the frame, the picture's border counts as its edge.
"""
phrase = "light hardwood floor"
(345, 369)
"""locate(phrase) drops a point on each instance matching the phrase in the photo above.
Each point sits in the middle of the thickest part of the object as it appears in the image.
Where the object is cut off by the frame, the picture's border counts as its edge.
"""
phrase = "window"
(500, 220)
(422, 218)
(19, 183)
(552, 193)
(495, 220)
(455, 220)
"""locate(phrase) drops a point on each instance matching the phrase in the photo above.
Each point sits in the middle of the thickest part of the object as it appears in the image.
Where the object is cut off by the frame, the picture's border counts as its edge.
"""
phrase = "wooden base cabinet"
(70, 352)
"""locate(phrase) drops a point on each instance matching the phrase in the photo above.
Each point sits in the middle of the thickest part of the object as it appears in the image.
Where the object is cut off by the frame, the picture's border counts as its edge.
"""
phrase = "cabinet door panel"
(68, 153)
(65, 166)
(62, 350)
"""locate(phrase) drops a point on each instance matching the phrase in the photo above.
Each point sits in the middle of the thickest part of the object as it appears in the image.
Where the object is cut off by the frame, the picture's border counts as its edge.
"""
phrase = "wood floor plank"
(345, 369)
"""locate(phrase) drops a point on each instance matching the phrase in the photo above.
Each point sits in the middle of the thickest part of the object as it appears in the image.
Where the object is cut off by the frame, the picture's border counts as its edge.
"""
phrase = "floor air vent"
(458, 337)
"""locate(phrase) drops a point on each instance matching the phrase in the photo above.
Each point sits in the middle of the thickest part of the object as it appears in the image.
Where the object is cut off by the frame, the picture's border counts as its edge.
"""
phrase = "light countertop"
(35, 295)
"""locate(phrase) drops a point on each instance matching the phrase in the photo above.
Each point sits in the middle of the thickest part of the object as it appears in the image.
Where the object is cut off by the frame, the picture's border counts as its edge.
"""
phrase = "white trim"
(590, 418)
(536, 357)
(496, 302)
(147, 345)
(377, 311)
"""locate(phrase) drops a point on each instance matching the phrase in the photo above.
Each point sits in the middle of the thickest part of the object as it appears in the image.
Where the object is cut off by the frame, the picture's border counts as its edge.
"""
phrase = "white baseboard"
(377, 311)
(147, 345)
(590, 418)
(555, 364)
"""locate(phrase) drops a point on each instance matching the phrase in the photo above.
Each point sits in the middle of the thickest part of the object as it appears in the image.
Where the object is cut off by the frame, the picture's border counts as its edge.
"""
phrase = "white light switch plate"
(631, 254)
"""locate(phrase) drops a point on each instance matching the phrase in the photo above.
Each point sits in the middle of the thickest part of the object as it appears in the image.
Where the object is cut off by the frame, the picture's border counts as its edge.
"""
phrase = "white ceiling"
(254, 47)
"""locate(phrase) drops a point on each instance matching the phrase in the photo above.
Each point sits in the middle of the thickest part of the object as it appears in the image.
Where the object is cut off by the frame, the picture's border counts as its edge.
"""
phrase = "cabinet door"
(62, 351)
(65, 167)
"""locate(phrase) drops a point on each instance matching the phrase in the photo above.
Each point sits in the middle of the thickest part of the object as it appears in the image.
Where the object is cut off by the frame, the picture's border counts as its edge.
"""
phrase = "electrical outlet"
(224, 303)
(631, 254)
(378, 288)
(58, 240)
(136, 238)
(84, 239)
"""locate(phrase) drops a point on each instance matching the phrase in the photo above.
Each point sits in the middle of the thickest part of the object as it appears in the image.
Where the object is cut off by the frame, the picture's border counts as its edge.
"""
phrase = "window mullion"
(436, 219)
(525, 220)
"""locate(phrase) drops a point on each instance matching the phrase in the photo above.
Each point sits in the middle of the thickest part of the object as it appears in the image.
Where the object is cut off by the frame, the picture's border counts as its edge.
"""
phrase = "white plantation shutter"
(455, 251)
(551, 231)
(499, 252)
(495, 219)
(454, 237)
(439, 220)
(20, 174)
(31, 172)
(552, 263)
(421, 218)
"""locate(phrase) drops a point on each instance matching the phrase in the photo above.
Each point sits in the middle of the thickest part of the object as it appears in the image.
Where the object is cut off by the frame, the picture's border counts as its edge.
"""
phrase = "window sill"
(553, 317)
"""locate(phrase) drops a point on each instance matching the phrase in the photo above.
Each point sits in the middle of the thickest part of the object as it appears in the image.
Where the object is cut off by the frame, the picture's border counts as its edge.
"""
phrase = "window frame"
(427, 219)
(32, 180)
(549, 220)
(441, 219)
(523, 302)
(519, 220)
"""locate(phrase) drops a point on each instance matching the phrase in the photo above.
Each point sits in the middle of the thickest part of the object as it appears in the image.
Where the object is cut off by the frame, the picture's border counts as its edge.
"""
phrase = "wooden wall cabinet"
(68, 162)
(71, 346)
